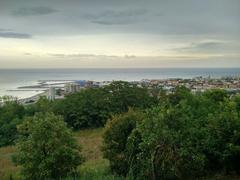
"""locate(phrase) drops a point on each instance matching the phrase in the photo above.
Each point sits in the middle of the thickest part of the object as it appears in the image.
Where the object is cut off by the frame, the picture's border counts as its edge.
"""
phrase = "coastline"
(33, 90)
(32, 99)
(28, 83)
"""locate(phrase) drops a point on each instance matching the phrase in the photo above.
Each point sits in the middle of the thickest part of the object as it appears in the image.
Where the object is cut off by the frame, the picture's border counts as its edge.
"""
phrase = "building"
(82, 83)
(51, 93)
(72, 88)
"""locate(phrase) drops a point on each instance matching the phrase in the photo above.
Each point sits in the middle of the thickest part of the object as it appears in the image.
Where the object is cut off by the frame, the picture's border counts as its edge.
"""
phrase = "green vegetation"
(11, 115)
(46, 148)
(185, 137)
(89, 108)
(115, 140)
(92, 107)
(148, 134)
(95, 167)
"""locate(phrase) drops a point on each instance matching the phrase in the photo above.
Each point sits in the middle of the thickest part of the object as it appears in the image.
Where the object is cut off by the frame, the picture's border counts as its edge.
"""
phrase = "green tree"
(185, 137)
(180, 93)
(115, 138)
(88, 108)
(46, 148)
(237, 101)
(216, 95)
(42, 105)
(11, 114)
(124, 95)
(92, 107)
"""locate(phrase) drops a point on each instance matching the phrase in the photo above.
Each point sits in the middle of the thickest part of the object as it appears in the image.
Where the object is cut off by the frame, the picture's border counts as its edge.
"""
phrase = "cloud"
(34, 11)
(114, 17)
(59, 55)
(203, 46)
(27, 54)
(2, 29)
(5, 33)
(129, 56)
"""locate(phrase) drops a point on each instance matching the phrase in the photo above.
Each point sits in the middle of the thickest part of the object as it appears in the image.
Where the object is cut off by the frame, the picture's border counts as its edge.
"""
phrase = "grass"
(7, 168)
(91, 141)
(94, 167)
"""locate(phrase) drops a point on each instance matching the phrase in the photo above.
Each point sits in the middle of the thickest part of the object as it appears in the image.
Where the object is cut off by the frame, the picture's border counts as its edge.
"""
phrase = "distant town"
(55, 89)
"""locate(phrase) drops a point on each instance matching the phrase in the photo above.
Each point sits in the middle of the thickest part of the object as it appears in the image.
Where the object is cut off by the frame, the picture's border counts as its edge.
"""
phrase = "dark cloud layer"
(34, 11)
(111, 17)
(2, 29)
(77, 17)
(124, 26)
(7, 33)
(200, 46)
(210, 47)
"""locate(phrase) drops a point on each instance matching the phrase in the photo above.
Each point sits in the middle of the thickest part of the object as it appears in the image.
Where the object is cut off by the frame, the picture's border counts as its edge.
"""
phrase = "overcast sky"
(119, 33)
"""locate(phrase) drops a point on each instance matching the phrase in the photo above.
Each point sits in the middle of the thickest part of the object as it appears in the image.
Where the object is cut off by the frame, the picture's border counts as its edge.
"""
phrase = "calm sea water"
(13, 78)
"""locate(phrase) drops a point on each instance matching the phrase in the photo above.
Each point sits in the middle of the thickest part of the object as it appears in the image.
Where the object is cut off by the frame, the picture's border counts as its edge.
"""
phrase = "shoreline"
(41, 87)
(32, 99)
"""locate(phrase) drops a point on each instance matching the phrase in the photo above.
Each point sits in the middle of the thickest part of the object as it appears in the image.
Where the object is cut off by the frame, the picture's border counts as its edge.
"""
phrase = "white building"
(72, 87)
(51, 93)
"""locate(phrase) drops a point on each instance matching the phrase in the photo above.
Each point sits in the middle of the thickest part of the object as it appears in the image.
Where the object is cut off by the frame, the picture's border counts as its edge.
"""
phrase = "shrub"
(181, 142)
(185, 137)
(46, 148)
(115, 138)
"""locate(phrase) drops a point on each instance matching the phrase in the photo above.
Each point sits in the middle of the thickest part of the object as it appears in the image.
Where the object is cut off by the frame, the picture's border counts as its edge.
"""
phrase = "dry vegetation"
(90, 140)
(6, 166)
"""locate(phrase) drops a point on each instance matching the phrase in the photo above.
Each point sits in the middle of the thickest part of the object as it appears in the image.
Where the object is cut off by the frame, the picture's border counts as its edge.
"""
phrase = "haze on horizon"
(119, 34)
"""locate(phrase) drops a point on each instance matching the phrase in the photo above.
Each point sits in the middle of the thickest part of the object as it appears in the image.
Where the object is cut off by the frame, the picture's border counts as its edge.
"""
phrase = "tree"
(216, 95)
(124, 95)
(185, 137)
(88, 108)
(115, 139)
(92, 107)
(180, 93)
(42, 105)
(46, 148)
(11, 114)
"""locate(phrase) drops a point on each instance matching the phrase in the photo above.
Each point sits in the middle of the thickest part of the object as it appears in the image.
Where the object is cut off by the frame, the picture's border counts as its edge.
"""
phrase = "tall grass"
(7, 168)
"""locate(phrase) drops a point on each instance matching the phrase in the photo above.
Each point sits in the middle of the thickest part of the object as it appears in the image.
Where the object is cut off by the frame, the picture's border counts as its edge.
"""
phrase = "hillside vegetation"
(125, 132)
(90, 140)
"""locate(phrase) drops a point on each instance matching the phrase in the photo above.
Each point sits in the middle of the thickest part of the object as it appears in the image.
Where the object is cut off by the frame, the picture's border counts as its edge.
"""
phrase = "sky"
(119, 33)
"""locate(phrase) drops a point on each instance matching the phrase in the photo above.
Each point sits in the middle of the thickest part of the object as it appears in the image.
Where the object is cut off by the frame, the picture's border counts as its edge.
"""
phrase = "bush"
(115, 139)
(185, 137)
(181, 142)
(46, 148)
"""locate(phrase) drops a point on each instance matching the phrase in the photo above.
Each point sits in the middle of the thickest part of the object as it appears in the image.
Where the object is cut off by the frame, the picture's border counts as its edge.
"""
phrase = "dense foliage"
(185, 137)
(88, 108)
(46, 148)
(92, 107)
(115, 139)
(11, 114)
(150, 134)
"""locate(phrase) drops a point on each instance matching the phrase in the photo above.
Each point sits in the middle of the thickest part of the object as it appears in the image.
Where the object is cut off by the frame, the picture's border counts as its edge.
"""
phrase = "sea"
(12, 79)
